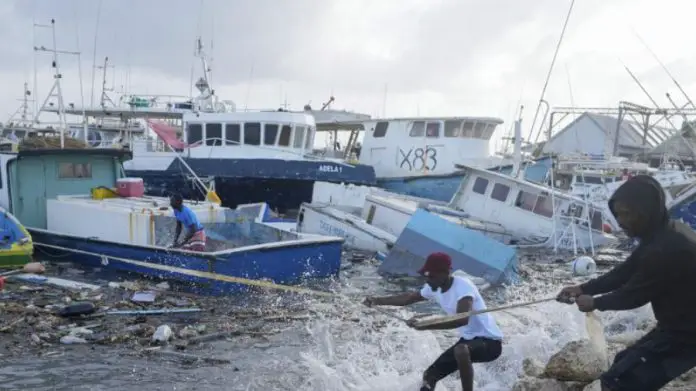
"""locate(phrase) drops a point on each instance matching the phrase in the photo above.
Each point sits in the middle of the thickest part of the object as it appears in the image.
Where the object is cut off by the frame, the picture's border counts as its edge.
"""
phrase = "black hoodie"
(660, 271)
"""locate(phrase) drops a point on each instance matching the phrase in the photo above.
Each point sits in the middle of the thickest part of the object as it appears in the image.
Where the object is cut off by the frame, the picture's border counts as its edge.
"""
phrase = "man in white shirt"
(480, 338)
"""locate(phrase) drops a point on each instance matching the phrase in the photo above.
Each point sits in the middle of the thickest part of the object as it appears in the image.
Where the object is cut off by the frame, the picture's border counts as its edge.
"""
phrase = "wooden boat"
(16, 247)
(55, 201)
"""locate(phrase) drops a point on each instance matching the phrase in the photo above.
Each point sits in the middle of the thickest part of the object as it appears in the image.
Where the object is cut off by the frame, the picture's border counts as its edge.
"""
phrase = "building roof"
(630, 134)
(681, 144)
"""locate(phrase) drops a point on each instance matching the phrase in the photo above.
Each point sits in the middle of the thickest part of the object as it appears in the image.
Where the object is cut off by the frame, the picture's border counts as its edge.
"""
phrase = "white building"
(595, 134)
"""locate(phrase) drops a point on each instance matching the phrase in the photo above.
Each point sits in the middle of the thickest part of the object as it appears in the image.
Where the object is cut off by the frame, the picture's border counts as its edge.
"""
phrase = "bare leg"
(466, 368)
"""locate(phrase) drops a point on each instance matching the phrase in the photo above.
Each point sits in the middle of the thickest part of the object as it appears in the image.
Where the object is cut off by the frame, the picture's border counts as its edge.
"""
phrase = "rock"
(188, 332)
(594, 386)
(163, 286)
(162, 334)
(536, 384)
(532, 367)
(69, 340)
(35, 339)
(576, 361)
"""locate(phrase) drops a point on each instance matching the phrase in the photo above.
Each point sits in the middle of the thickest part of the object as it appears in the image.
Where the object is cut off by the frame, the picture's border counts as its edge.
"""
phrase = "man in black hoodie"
(660, 271)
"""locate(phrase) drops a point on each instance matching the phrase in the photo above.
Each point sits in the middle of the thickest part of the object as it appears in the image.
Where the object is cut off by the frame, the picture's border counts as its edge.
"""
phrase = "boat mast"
(55, 91)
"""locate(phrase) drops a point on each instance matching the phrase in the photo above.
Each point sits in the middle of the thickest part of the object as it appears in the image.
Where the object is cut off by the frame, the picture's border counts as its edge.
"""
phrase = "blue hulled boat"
(63, 199)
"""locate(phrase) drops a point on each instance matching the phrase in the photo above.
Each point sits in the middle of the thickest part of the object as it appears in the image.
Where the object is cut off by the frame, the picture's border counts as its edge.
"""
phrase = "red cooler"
(130, 187)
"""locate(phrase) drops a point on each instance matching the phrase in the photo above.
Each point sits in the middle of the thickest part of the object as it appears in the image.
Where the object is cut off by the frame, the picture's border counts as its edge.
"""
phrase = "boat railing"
(160, 146)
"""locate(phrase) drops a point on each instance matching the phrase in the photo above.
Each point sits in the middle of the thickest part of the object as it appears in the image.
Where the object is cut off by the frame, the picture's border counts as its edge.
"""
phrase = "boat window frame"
(72, 175)
(259, 133)
(215, 141)
(420, 131)
(298, 142)
(476, 184)
(467, 133)
(380, 131)
(546, 198)
(436, 133)
(275, 136)
(289, 129)
(229, 141)
(458, 128)
(507, 192)
(199, 126)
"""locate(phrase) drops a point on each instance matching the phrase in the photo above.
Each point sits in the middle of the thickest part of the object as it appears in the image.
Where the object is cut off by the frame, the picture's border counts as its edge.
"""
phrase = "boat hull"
(208, 273)
(16, 248)
(283, 184)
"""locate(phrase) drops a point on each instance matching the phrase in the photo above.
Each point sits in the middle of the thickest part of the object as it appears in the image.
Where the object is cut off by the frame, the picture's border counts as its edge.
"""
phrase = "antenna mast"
(56, 91)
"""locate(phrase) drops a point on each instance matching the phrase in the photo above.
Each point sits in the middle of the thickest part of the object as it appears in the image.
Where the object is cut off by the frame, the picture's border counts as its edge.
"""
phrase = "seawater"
(344, 347)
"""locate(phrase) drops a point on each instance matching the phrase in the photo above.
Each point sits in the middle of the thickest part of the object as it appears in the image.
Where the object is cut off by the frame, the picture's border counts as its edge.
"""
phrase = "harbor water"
(342, 346)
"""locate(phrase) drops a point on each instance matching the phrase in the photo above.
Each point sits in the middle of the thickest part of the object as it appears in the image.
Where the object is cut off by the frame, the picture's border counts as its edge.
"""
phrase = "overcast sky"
(433, 57)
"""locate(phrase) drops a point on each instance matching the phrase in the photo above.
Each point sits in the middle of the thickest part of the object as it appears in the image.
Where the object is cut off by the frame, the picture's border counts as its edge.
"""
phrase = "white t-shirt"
(482, 325)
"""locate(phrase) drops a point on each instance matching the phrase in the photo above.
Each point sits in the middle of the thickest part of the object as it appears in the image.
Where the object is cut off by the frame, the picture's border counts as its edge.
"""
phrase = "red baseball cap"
(436, 262)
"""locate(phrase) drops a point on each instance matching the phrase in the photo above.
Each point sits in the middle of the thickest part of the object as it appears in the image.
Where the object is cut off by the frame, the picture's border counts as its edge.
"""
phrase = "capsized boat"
(127, 231)
(16, 247)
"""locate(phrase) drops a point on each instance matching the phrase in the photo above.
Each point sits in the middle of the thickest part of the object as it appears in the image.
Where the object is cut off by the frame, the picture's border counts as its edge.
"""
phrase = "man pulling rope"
(660, 271)
(480, 338)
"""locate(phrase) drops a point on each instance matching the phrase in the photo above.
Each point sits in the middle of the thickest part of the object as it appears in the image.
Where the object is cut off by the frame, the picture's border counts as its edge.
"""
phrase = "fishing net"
(50, 143)
(595, 332)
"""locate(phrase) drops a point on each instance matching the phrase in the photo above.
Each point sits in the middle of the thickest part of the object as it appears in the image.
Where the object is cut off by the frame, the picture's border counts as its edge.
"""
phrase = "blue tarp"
(471, 251)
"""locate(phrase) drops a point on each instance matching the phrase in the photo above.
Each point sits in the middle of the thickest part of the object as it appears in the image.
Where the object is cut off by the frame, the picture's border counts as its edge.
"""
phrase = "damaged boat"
(63, 199)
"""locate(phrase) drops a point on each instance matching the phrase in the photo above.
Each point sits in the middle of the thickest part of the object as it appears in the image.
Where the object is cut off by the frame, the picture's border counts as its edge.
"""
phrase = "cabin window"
(500, 192)
(489, 131)
(432, 130)
(593, 180)
(480, 185)
(270, 132)
(525, 200)
(596, 220)
(479, 129)
(380, 129)
(468, 129)
(452, 128)
(417, 129)
(252, 133)
(74, 170)
(285, 134)
(544, 206)
(213, 134)
(575, 210)
(194, 133)
(233, 134)
(309, 139)
(299, 136)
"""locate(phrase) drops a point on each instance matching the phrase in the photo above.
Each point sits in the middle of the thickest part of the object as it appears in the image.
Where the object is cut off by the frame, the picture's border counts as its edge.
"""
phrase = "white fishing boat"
(371, 218)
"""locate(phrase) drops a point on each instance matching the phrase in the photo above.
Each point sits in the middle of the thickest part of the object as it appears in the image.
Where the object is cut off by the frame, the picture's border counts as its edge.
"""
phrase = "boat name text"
(335, 231)
(330, 168)
(418, 159)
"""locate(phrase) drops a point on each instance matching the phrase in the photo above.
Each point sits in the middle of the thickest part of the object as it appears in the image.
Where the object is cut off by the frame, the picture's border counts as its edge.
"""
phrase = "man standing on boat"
(660, 271)
(480, 338)
(194, 240)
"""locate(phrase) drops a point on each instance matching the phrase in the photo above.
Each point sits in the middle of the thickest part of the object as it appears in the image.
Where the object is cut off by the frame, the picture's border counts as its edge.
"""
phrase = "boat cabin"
(259, 134)
(407, 147)
(46, 174)
(522, 207)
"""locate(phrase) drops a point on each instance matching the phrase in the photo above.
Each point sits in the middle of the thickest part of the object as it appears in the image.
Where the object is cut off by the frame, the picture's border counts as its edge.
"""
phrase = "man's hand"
(585, 303)
(412, 322)
(567, 294)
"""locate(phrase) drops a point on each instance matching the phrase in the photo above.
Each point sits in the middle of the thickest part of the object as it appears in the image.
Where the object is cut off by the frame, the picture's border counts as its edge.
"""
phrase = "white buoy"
(583, 266)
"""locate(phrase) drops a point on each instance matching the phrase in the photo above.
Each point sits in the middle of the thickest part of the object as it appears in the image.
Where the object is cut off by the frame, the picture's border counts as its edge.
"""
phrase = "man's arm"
(463, 306)
(611, 280)
(648, 282)
(401, 300)
(177, 233)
